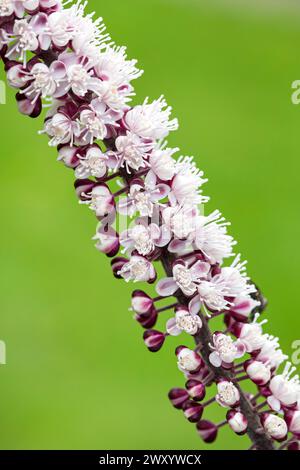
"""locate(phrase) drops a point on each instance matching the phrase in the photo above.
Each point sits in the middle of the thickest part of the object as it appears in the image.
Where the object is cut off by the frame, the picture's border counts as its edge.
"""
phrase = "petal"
(215, 359)
(195, 305)
(172, 327)
(200, 269)
(166, 287)
(274, 403)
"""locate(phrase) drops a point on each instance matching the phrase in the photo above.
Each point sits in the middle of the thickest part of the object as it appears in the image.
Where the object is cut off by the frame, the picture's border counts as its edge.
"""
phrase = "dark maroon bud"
(154, 340)
(192, 411)
(196, 389)
(27, 107)
(265, 391)
(116, 265)
(147, 320)
(207, 430)
(178, 396)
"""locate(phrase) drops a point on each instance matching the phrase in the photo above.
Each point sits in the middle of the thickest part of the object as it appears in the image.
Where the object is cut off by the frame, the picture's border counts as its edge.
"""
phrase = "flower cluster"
(60, 58)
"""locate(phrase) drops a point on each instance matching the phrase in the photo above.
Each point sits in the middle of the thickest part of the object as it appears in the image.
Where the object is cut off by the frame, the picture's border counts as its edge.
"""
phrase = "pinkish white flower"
(186, 185)
(230, 282)
(144, 238)
(184, 321)
(151, 120)
(94, 163)
(188, 360)
(100, 200)
(138, 269)
(132, 152)
(162, 164)
(258, 372)
(237, 421)
(228, 395)
(62, 129)
(225, 350)
(251, 334)
(184, 278)
(271, 353)
(275, 426)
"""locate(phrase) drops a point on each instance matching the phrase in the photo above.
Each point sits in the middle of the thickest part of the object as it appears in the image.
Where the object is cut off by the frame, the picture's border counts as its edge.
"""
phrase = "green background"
(77, 373)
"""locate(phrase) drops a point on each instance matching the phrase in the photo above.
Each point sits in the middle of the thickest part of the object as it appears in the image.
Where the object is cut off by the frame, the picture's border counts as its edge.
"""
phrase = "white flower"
(94, 163)
(162, 164)
(230, 282)
(184, 278)
(151, 121)
(182, 222)
(225, 350)
(25, 37)
(138, 269)
(212, 239)
(285, 390)
(251, 334)
(275, 427)
(228, 395)
(142, 197)
(62, 129)
(184, 320)
(8, 7)
(94, 121)
(271, 353)
(144, 238)
(188, 360)
(87, 36)
(186, 186)
(132, 151)
(112, 65)
(258, 372)
(100, 200)
(43, 80)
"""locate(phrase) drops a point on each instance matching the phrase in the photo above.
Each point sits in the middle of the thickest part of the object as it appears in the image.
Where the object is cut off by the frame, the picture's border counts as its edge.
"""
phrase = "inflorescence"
(62, 59)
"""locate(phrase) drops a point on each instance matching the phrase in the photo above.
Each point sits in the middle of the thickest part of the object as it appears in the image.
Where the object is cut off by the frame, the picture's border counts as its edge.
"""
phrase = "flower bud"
(274, 426)
(192, 411)
(228, 395)
(258, 372)
(196, 389)
(188, 360)
(207, 430)
(147, 320)
(292, 419)
(154, 340)
(102, 200)
(141, 302)
(107, 241)
(237, 422)
(178, 396)
(15, 74)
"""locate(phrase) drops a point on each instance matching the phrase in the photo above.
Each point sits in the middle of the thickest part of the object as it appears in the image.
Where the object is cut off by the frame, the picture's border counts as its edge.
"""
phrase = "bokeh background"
(78, 375)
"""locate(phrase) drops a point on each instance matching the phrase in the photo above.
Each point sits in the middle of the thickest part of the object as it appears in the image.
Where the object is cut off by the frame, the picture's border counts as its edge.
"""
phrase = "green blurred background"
(77, 373)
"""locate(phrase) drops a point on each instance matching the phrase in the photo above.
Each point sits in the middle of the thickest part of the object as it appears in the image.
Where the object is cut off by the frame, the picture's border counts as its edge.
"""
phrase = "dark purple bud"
(147, 320)
(207, 430)
(178, 396)
(154, 340)
(196, 389)
(192, 411)
(117, 264)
